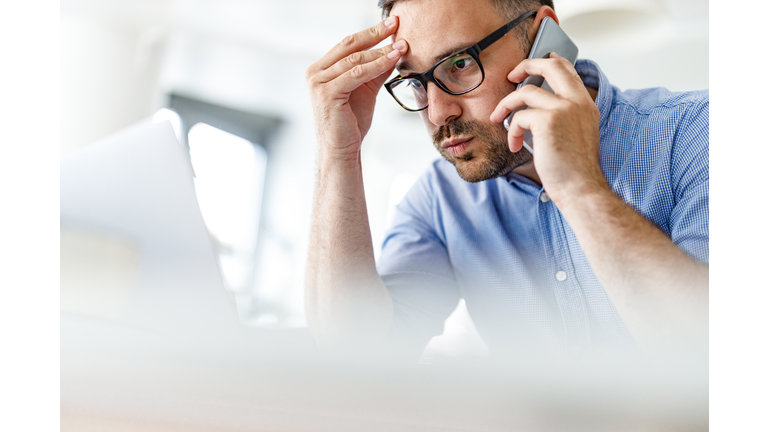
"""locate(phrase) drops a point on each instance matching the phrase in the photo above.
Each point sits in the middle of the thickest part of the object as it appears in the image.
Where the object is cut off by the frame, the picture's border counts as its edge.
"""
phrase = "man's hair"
(508, 9)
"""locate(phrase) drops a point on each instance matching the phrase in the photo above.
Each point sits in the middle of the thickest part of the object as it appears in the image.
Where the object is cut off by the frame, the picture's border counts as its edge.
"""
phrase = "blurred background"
(229, 76)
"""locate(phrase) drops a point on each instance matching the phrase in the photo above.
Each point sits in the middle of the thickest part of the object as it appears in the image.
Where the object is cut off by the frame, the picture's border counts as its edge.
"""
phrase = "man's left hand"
(659, 291)
(565, 127)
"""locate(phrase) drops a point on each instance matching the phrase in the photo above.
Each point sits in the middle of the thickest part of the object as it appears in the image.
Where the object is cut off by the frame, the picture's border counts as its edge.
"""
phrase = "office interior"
(227, 79)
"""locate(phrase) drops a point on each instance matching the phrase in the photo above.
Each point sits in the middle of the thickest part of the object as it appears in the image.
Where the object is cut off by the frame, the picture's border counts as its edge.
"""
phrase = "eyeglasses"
(456, 74)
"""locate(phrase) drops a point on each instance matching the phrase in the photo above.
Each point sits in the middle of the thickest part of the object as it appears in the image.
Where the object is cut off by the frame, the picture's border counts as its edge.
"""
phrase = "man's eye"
(414, 84)
(461, 64)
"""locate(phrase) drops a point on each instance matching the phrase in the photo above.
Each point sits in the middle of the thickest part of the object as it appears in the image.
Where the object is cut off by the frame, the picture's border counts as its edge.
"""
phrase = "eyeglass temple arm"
(498, 34)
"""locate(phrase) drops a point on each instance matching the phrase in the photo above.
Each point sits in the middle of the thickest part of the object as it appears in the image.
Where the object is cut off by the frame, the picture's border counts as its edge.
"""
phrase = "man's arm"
(660, 292)
(347, 304)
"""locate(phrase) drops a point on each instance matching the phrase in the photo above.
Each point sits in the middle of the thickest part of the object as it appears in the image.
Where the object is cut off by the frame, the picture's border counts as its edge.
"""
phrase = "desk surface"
(273, 380)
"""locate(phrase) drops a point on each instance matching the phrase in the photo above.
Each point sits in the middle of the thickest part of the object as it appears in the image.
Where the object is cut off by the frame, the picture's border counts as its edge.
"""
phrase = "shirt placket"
(561, 278)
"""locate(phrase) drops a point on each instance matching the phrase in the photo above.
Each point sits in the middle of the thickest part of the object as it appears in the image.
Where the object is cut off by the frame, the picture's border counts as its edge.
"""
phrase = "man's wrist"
(587, 199)
(330, 157)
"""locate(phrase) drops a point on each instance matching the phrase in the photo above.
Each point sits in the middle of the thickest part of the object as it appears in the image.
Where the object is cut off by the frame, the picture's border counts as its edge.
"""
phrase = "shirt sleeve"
(415, 267)
(689, 221)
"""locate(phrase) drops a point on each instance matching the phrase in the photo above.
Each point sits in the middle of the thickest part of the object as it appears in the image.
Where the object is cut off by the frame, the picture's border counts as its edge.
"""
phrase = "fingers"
(359, 58)
(379, 81)
(359, 41)
(557, 71)
(360, 74)
(530, 95)
(521, 121)
(351, 63)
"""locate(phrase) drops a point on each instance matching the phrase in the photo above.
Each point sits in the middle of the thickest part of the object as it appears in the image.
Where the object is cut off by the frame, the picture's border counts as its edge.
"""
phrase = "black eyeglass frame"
(473, 51)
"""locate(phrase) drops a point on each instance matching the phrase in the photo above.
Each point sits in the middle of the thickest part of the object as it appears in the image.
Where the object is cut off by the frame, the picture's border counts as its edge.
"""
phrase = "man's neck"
(529, 170)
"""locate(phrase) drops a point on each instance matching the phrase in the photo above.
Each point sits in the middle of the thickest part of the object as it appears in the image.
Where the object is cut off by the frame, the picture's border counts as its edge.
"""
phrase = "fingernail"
(399, 45)
(393, 54)
(389, 21)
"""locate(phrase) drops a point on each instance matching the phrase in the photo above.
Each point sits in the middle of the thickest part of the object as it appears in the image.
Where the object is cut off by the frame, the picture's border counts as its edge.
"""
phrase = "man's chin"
(474, 171)
(477, 169)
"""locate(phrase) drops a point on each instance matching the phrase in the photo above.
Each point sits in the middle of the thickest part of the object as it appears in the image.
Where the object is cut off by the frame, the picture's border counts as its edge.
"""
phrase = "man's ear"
(543, 12)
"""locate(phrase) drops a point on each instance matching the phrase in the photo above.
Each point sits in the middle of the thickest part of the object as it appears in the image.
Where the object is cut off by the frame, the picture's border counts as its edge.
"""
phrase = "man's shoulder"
(656, 99)
(678, 121)
(658, 108)
(659, 117)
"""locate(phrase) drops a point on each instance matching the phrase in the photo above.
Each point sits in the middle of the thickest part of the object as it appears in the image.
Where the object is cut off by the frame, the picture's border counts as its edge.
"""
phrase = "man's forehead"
(437, 28)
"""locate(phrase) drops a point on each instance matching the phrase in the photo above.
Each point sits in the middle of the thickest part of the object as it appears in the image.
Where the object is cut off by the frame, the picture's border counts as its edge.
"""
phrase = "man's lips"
(457, 146)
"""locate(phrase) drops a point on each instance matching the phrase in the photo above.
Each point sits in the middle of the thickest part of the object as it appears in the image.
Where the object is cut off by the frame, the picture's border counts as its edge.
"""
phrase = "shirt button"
(561, 276)
(544, 197)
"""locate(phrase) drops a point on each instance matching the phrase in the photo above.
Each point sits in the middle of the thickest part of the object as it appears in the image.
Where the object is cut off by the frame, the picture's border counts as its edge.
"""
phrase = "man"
(597, 244)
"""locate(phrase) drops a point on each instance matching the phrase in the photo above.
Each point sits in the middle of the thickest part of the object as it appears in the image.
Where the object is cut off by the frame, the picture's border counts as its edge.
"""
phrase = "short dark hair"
(508, 9)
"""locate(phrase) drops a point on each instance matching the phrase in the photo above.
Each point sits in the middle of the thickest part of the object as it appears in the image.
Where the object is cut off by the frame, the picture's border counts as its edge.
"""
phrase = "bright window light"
(165, 114)
(229, 180)
(397, 190)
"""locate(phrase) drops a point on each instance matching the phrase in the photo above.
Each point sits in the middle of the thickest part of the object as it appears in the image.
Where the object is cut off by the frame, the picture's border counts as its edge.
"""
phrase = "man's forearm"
(346, 300)
(659, 291)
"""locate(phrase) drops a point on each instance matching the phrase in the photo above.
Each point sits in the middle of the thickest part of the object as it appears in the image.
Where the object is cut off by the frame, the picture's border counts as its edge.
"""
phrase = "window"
(229, 150)
(229, 181)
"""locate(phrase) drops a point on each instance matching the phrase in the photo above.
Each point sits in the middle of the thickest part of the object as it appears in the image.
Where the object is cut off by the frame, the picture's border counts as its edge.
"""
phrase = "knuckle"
(348, 40)
(557, 61)
(355, 58)
(564, 104)
(374, 31)
(561, 63)
(527, 90)
(356, 71)
(309, 75)
(312, 82)
(595, 111)
(312, 78)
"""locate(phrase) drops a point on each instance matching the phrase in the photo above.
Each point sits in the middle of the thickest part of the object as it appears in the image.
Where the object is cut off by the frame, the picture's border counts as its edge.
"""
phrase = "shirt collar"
(593, 77)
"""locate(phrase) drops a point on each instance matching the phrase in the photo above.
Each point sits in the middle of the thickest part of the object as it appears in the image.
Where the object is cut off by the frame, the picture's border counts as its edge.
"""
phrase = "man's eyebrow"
(405, 66)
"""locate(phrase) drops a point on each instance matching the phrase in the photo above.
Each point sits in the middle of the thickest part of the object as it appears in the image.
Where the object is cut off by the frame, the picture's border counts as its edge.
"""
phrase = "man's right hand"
(343, 87)
(347, 304)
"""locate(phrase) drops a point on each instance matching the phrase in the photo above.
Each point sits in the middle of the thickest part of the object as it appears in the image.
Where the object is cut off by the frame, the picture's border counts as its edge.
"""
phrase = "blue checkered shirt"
(507, 250)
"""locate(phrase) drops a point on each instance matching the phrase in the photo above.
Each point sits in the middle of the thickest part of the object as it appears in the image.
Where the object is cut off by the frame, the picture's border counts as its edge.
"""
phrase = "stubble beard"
(489, 156)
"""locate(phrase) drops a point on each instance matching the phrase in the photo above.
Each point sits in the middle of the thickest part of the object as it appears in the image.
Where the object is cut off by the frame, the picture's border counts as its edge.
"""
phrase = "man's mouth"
(457, 146)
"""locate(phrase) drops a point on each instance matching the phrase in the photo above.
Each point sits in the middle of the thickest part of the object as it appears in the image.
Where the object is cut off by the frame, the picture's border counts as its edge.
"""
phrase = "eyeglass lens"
(457, 74)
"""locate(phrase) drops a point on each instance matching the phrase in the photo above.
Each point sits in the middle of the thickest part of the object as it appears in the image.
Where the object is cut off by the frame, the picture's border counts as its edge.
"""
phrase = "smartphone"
(550, 38)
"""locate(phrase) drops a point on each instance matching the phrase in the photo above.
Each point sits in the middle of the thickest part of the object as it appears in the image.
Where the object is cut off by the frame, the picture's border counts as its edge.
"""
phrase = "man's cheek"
(431, 127)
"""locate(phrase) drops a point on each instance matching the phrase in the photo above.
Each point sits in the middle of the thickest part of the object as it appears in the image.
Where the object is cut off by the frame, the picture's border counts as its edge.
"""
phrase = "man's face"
(459, 124)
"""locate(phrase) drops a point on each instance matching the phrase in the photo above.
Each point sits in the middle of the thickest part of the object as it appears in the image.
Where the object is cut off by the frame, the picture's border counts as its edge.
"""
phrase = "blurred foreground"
(151, 340)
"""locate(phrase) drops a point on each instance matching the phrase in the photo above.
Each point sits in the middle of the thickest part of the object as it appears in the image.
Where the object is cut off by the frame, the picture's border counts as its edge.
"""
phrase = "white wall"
(109, 71)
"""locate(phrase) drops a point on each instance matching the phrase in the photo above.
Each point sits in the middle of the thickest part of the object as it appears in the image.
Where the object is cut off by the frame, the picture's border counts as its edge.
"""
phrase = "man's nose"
(443, 107)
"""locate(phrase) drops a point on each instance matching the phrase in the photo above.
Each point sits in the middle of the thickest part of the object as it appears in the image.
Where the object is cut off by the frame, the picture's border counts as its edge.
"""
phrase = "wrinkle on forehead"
(435, 29)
